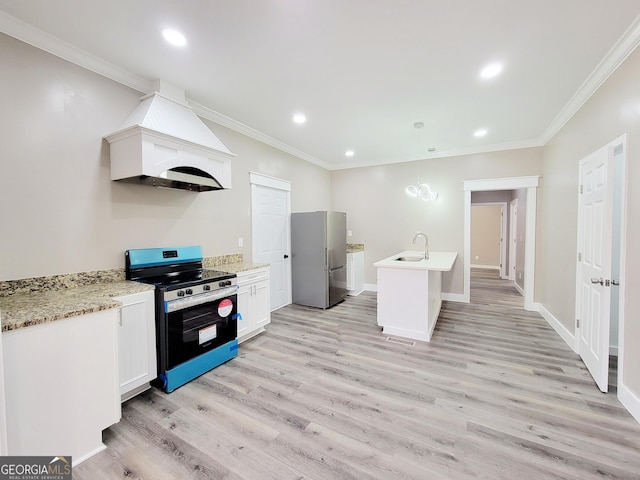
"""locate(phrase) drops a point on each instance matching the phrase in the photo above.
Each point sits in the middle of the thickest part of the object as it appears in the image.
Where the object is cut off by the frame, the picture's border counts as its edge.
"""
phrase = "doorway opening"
(489, 236)
(528, 185)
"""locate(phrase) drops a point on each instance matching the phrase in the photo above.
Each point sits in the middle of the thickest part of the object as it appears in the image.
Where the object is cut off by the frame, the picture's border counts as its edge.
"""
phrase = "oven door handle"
(182, 303)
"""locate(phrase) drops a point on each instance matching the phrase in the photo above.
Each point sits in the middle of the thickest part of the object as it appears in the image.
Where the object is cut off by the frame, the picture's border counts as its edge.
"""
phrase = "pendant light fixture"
(420, 190)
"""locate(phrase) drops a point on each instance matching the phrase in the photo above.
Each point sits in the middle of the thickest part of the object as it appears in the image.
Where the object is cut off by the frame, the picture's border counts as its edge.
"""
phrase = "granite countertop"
(355, 247)
(26, 309)
(33, 301)
(238, 267)
(233, 263)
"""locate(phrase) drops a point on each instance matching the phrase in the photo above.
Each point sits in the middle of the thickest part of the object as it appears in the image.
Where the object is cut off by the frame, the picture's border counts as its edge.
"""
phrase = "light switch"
(349, 233)
(240, 241)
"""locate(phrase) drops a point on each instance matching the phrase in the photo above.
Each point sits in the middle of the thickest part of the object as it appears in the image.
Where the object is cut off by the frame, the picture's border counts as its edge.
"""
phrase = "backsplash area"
(213, 262)
(73, 280)
(59, 282)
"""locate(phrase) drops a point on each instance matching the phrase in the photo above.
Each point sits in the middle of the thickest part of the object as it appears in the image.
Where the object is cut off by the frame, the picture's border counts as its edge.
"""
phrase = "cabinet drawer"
(252, 276)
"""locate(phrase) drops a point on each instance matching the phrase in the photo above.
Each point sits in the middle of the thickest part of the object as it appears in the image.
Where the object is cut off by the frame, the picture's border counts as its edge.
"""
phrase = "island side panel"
(435, 299)
(403, 302)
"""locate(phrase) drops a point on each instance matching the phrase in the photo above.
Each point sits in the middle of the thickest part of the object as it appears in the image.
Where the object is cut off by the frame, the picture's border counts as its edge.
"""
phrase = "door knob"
(597, 280)
(286, 256)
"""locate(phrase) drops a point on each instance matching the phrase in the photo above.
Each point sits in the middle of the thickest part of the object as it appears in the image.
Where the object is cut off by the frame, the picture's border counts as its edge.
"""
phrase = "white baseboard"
(519, 288)
(78, 461)
(402, 332)
(371, 287)
(487, 267)
(629, 400)
(355, 293)
(453, 297)
(560, 329)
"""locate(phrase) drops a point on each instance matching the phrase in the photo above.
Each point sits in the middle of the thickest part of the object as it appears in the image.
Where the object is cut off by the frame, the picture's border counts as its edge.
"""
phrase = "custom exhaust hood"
(163, 143)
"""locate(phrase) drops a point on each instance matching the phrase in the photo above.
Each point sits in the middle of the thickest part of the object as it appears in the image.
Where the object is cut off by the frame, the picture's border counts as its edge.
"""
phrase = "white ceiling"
(363, 71)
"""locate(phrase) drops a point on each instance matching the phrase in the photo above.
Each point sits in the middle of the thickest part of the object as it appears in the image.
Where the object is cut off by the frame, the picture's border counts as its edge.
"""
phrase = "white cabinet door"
(253, 302)
(244, 306)
(260, 301)
(136, 343)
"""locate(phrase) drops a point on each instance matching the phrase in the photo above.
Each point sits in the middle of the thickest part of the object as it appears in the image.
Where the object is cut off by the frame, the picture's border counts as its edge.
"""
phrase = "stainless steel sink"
(409, 259)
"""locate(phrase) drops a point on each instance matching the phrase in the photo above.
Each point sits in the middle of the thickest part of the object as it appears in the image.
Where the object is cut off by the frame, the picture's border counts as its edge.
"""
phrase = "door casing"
(611, 149)
(510, 183)
(258, 181)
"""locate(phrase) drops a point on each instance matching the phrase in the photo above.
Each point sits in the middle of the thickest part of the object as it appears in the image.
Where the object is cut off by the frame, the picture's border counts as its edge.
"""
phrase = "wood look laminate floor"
(496, 394)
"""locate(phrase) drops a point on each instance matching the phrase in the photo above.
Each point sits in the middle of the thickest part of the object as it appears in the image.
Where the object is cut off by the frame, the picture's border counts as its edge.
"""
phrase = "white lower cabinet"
(253, 302)
(61, 385)
(355, 273)
(136, 343)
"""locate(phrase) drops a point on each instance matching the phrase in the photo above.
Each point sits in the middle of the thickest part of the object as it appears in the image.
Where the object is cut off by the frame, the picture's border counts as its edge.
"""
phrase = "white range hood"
(163, 143)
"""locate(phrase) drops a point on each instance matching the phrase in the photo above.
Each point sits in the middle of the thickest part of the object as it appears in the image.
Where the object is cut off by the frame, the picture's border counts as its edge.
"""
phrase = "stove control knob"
(206, 287)
(221, 284)
(180, 293)
(189, 291)
(228, 282)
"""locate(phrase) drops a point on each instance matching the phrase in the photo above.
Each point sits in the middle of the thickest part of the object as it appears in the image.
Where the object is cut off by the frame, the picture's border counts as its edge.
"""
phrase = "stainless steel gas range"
(196, 311)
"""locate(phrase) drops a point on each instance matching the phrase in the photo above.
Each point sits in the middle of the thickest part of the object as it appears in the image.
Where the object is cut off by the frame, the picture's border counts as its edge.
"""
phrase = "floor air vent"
(401, 341)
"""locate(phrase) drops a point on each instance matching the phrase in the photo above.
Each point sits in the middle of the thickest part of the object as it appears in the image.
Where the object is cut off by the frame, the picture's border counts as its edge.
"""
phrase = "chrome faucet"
(426, 244)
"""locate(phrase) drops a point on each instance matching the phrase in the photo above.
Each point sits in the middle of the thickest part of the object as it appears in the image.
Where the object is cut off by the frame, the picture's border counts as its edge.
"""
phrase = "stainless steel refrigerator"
(318, 258)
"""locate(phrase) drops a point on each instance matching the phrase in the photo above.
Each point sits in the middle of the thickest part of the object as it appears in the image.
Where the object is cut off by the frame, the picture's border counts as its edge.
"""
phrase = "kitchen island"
(409, 292)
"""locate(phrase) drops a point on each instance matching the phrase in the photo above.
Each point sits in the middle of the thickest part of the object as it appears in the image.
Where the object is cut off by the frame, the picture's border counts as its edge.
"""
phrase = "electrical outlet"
(349, 233)
(477, 257)
(240, 241)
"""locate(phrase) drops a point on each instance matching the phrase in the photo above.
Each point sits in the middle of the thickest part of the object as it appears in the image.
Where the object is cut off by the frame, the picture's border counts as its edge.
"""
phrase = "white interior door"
(271, 235)
(594, 264)
(513, 238)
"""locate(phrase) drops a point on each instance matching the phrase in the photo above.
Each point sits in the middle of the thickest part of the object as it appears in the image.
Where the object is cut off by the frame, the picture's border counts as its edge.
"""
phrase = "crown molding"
(625, 45)
(496, 147)
(44, 41)
(247, 131)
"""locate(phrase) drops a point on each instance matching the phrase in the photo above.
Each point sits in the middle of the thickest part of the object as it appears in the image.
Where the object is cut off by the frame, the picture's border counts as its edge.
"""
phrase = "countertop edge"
(29, 309)
(442, 265)
(240, 267)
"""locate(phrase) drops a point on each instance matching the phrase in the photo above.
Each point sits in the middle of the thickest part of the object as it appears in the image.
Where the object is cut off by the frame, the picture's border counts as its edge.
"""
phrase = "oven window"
(198, 329)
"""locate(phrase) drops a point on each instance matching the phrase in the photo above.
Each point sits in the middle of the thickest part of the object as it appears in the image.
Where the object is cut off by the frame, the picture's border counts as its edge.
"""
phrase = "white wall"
(611, 112)
(486, 234)
(61, 213)
(385, 219)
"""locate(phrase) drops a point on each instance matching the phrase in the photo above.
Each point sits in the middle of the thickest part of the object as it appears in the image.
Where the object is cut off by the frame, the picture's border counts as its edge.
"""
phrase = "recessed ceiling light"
(299, 118)
(349, 153)
(480, 133)
(491, 70)
(174, 37)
